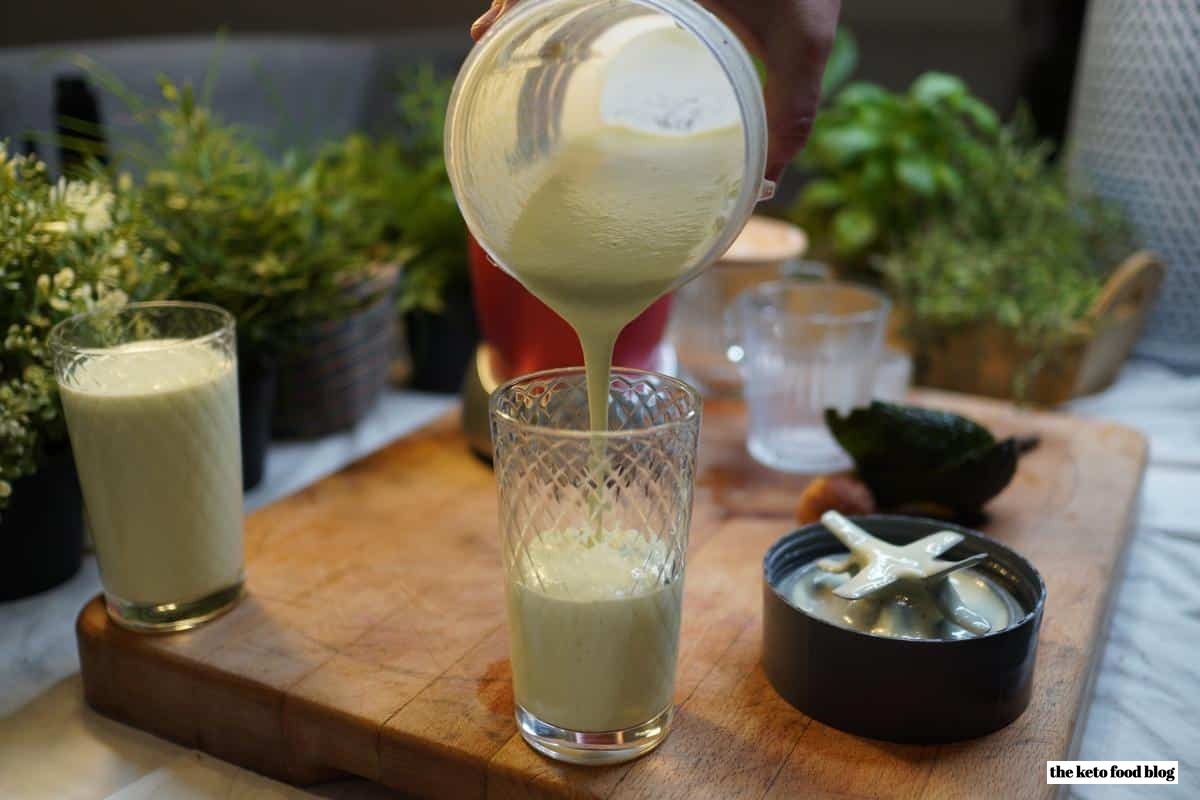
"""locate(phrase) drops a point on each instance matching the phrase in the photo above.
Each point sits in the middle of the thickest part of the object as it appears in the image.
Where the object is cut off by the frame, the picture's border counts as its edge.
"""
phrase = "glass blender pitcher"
(570, 82)
(551, 73)
(602, 152)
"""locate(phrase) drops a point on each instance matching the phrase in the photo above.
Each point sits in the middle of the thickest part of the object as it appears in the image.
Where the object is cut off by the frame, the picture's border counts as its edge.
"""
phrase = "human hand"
(792, 37)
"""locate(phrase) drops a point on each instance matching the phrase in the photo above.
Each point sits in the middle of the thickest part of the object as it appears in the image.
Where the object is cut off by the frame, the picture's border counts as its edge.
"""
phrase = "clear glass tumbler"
(808, 347)
(595, 529)
(702, 330)
(151, 402)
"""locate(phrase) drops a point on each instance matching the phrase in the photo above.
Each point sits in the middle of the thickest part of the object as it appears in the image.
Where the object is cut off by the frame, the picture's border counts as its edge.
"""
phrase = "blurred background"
(297, 76)
(318, 53)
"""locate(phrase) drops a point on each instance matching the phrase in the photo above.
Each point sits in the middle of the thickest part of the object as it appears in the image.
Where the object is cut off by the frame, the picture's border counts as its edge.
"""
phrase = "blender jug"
(547, 82)
(551, 73)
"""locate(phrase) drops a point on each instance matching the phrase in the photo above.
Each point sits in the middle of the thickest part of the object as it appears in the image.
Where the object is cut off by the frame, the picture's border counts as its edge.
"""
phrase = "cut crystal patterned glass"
(551, 474)
(595, 529)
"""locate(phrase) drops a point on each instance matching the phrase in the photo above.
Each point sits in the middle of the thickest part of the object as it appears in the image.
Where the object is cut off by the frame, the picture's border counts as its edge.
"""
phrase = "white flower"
(267, 265)
(112, 298)
(87, 200)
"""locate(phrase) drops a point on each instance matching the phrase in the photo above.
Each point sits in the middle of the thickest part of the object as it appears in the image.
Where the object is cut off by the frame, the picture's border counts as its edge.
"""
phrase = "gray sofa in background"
(294, 90)
(323, 85)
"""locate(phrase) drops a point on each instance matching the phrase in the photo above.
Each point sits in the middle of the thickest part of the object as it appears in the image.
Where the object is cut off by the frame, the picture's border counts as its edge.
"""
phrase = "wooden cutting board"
(373, 640)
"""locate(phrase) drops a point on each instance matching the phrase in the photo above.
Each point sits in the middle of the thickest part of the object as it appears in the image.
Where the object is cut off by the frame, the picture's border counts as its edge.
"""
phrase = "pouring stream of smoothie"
(620, 218)
(615, 219)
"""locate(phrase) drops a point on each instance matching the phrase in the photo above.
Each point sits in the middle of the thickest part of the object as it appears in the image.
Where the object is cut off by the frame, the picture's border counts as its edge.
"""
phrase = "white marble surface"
(1146, 703)
(1146, 700)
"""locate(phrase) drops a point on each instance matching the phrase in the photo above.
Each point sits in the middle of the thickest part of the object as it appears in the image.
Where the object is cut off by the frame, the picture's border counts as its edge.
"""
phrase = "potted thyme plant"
(350, 199)
(1022, 290)
(280, 244)
(65, 248)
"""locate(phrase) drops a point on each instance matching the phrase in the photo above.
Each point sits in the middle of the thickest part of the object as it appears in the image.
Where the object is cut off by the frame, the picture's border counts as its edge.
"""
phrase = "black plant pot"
(257, 378)
(442, 345)
(41, 531)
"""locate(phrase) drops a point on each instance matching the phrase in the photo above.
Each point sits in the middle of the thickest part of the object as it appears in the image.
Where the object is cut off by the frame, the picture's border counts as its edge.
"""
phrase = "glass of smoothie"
(150, 396)
(595, 530)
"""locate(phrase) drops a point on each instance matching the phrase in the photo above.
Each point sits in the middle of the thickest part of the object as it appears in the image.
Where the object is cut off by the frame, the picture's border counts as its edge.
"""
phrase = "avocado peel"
(910, 456)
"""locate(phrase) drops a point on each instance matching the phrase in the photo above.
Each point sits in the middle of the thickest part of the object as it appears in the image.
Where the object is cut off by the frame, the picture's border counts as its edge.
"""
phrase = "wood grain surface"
(373, 640)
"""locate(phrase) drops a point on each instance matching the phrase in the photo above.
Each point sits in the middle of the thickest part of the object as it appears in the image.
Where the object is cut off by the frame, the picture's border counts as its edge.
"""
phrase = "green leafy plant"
(963, 218)
(884, 163)
(842, 61)
(276, 242)
(1018, 252)
(434, 231)
(65, 248)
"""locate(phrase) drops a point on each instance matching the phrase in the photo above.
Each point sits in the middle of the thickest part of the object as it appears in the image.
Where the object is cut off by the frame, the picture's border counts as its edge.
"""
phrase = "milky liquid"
(907, 613)
(616, 216)
(154, 430)
(594, 631)
(620, 217)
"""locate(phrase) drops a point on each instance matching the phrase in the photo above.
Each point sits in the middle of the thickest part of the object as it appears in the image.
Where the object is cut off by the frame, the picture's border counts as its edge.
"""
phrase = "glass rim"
(883, 309)
(57, 344)
(691, 418)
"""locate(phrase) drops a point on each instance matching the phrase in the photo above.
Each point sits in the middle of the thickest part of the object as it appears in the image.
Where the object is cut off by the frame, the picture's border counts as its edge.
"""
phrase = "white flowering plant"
(65, 247)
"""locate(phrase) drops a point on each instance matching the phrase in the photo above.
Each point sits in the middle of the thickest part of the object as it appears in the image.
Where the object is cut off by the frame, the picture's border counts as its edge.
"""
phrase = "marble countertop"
(1145, 705)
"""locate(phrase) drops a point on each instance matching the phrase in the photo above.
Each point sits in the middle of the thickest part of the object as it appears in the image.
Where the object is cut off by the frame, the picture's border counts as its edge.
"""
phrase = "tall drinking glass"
(595, 529)
(150, 396)
(808, 347)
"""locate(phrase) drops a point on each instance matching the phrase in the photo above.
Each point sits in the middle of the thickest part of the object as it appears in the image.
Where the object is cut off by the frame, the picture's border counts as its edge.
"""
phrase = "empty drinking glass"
(808, 347)
(705, 345)
(893, 376)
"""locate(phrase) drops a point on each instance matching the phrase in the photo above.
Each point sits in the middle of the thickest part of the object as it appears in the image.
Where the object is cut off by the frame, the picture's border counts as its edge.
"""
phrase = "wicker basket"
(342, 365)
(987, 359)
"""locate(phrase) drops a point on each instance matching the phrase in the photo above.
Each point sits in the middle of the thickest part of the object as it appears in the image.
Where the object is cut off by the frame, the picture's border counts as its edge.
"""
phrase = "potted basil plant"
(881, 164)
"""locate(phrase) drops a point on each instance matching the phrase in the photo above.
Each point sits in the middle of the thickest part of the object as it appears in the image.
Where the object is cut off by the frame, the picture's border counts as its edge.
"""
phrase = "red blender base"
(522, 335)
(526, 336)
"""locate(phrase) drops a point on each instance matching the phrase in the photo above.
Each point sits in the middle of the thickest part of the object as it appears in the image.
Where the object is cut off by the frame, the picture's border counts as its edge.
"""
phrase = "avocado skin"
(909, 455)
